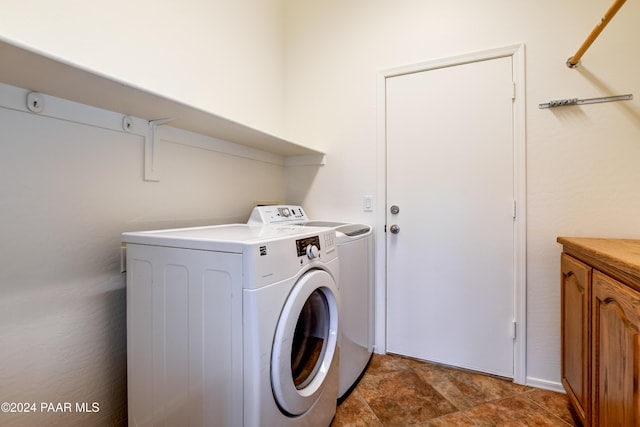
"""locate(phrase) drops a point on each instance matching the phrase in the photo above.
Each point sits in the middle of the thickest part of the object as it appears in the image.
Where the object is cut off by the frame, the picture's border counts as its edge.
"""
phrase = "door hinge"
(513, 210)
(513, 93)
(513, 329)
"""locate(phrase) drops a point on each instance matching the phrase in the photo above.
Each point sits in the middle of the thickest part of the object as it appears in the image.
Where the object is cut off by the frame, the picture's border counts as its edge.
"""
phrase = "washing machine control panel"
(280, 214)
(312, 251)
(284, 212)
(309, 246)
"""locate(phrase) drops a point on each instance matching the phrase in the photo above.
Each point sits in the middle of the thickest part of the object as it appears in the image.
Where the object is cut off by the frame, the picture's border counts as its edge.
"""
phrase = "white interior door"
(450, 171)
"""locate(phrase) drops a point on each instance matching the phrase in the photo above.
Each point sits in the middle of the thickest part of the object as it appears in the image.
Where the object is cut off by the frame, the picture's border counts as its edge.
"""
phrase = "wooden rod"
(609, 14)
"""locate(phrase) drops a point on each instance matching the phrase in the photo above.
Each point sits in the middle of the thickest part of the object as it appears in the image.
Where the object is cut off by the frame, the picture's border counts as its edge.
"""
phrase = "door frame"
(516, 52)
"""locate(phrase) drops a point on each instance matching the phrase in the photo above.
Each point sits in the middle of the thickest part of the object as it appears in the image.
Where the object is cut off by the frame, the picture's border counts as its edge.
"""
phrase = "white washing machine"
(232, 325)
(355, 284)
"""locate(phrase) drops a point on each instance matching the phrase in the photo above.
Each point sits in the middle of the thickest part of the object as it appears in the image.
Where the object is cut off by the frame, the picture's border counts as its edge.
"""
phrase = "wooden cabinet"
(576, 344)
(600, 300)
(616, 353)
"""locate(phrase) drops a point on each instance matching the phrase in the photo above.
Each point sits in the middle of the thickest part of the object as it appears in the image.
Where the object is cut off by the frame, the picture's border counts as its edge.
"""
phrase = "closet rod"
(574, 61)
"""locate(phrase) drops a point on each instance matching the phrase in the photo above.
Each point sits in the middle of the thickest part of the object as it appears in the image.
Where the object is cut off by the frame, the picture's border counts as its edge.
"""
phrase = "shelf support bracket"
(150, 165)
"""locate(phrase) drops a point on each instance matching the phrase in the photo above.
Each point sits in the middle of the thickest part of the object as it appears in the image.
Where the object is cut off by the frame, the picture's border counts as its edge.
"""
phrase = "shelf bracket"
(150, 164)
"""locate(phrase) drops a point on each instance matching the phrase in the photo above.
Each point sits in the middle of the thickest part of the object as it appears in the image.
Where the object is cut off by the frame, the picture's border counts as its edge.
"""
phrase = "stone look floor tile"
(398, 391)
(401, 398)
(467, 389)
(457, 419)
(513, 411)
(355, 412)
(556, 403)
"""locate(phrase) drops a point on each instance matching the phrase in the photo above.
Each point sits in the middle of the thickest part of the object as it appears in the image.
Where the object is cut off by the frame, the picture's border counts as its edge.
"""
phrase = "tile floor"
(397, 391)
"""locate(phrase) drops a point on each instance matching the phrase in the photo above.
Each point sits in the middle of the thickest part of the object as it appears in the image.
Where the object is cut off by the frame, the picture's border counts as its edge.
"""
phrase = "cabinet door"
(616, 353)
(576, 343)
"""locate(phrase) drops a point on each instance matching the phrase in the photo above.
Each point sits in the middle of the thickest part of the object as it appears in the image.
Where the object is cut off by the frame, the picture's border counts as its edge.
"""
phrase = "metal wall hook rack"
(576, 101)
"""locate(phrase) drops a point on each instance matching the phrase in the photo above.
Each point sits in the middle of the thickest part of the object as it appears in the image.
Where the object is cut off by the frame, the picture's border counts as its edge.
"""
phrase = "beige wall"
(582, 162)
(68, 190)
(222, 56)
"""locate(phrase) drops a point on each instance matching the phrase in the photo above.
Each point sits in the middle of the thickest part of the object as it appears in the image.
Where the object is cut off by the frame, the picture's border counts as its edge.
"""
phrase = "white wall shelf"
(39, 73)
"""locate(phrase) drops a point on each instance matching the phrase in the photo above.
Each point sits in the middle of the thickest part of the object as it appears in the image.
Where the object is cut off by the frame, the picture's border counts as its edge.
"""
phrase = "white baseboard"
(545, 384)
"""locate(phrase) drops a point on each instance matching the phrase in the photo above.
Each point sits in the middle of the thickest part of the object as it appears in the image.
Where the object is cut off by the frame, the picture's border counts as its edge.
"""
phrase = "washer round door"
(305, 342)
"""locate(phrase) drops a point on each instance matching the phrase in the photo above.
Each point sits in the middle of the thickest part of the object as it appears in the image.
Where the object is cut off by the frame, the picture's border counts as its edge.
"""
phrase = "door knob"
(394, 229)
(394, 209)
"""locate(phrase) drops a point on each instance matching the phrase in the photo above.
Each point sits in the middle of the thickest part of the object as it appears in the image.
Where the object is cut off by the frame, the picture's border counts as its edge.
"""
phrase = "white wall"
(68, 190)
(582, 171)
(222, 56)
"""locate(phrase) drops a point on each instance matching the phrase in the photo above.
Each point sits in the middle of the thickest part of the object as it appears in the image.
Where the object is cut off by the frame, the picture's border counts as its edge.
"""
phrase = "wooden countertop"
(620, 258)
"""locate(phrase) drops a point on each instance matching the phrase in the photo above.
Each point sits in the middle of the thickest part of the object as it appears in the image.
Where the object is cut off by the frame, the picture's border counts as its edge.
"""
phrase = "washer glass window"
(305, 341)
(309, 339)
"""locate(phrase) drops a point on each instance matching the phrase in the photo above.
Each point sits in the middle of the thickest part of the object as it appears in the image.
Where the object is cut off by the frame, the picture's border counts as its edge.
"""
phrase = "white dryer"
(355, 252)
(232, 325)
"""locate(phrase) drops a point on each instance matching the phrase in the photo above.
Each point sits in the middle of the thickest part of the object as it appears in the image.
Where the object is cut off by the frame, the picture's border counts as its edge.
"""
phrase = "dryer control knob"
(312, 251)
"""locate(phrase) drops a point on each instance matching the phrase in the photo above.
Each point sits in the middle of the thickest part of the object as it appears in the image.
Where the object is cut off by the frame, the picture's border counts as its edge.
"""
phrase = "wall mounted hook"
(35, 102)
